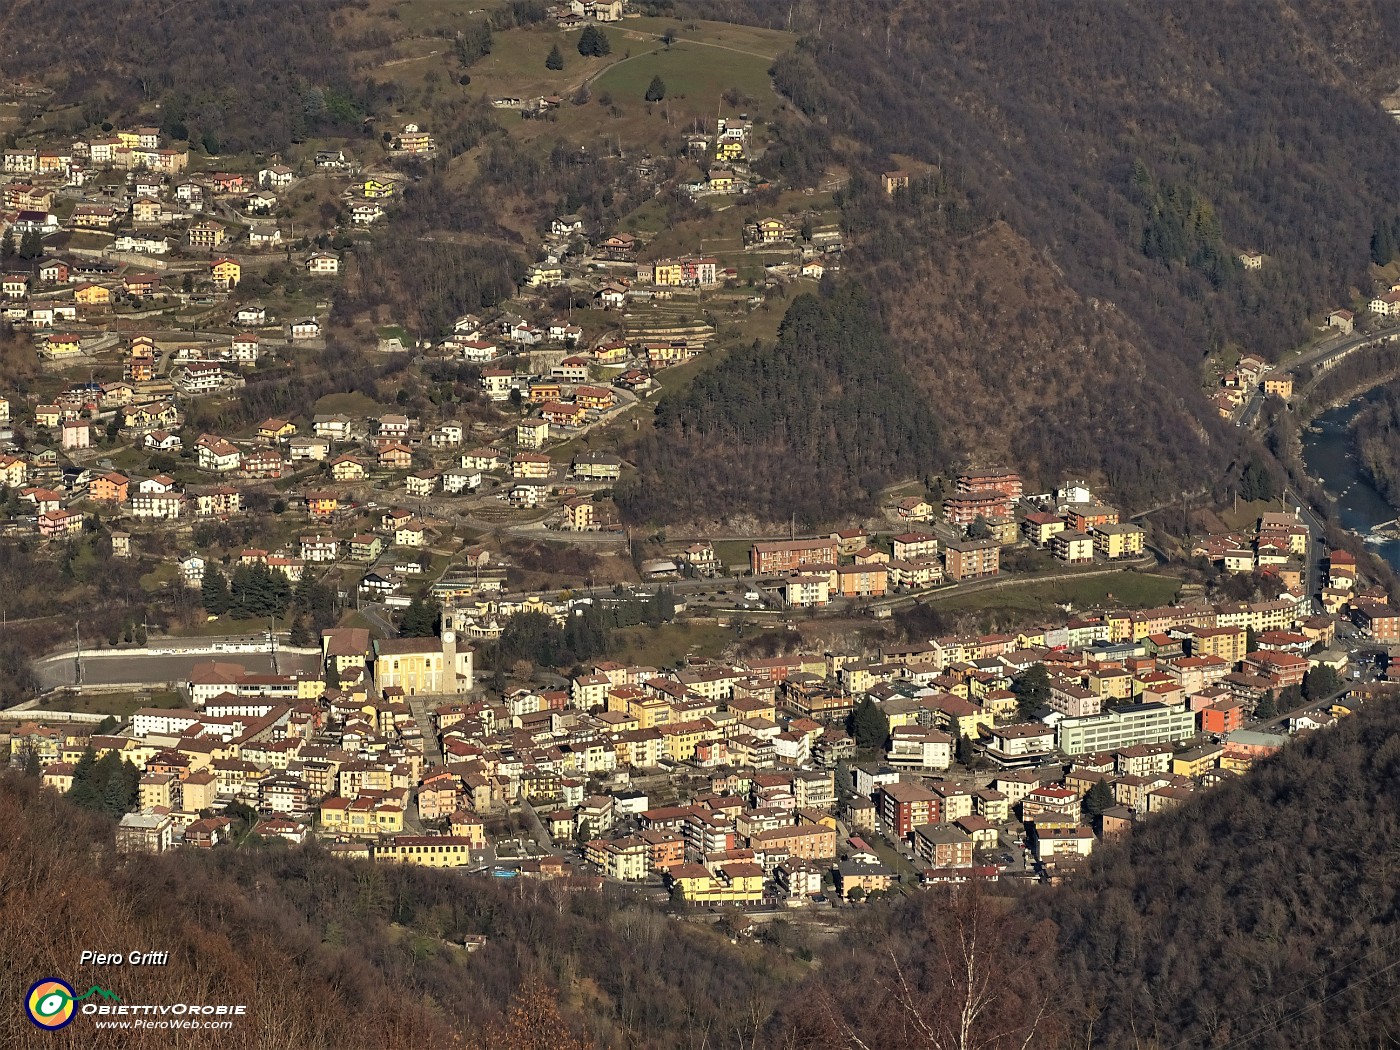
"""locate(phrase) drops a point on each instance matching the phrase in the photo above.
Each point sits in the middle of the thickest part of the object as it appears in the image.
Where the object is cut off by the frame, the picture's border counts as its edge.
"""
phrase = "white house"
(246, 348)
(216, 454)
(306, 328)
(917, 747)
(322, 264)
(458, 480)
(449, 435)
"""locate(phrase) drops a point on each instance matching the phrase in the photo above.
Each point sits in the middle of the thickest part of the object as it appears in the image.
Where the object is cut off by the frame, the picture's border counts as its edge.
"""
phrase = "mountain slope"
(1263, 914)
(1138, 144)
(1132, 152)
(1026, 371)
(328, 953)
(822, 420)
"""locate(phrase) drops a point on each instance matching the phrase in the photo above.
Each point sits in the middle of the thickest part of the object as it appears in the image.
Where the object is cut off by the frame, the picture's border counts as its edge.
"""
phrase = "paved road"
(1317, 547)
(1329, 349)
(54, 672)
(1326, 351)
(378, 617)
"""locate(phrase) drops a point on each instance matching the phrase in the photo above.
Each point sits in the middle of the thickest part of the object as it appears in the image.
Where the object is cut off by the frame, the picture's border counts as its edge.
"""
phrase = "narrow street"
(418, 704)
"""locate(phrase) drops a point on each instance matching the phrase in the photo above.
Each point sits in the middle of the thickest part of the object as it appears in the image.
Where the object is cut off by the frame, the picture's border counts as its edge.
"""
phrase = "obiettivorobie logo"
(51, 1003)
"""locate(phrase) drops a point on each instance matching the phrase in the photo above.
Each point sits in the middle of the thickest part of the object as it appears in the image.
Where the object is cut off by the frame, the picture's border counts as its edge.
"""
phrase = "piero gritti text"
(138, 958)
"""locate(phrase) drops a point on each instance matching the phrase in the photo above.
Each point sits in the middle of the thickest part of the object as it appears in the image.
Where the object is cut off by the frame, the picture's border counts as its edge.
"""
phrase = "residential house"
(207, 234)
(217, 454)
(322, 264)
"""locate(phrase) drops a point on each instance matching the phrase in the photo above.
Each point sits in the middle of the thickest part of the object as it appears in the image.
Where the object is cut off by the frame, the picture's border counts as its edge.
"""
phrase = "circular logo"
(50, 1003)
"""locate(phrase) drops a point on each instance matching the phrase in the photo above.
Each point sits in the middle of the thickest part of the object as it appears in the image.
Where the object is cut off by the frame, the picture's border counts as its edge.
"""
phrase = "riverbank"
(1345, 383)
(1330, 459)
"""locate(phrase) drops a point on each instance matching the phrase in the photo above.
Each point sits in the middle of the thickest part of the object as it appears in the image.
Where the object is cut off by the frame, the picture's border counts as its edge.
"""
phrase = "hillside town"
(786, 779)
(155, 293)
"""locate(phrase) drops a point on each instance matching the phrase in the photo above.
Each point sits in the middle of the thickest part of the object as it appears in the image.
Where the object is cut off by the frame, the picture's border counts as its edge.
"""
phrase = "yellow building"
(578, 514)
(771, 230)
(227, 272)
(58, 776)
(378, 188)
(721, 181)
(1110, 681)
(276, 429)
(431, 851)
(1197, 762)
(966, 724)
(322, 503)
(740, 883)
(648, 709)
(65, 345)
(414, 140)
(1238, 763)
(667, 272)
(1120, 625)
(680, 739)
(1119, 541)
(92, 295)
(207, 234)
(13, 471)
(159, 789)
(1279, 383)
(1001, 704)
(467, 825)
(423, 665)
(361, 816)
(545, 276)
(1228, 643)
(347, 469)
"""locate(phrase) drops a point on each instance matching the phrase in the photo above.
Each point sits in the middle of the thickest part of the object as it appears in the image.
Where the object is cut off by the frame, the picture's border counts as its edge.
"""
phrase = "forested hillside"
(1265, 914)
(1132, 152)
(1143, 145)
(1022, 368)
(232, 75)
(1375, 431)
(348, 955)
(824, 418)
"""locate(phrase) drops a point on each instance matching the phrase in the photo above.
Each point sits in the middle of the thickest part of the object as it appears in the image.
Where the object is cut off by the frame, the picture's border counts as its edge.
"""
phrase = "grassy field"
(732, 552)
(123, 705)
(720, 233)
(670, 643)
(1134, 589)
(708, 60)
(696, 77)
(1247, 513)
(158, 577)
(352, 404)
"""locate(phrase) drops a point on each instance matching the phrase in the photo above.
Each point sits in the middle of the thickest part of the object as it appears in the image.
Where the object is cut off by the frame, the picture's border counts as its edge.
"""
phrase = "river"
(1329, 457)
